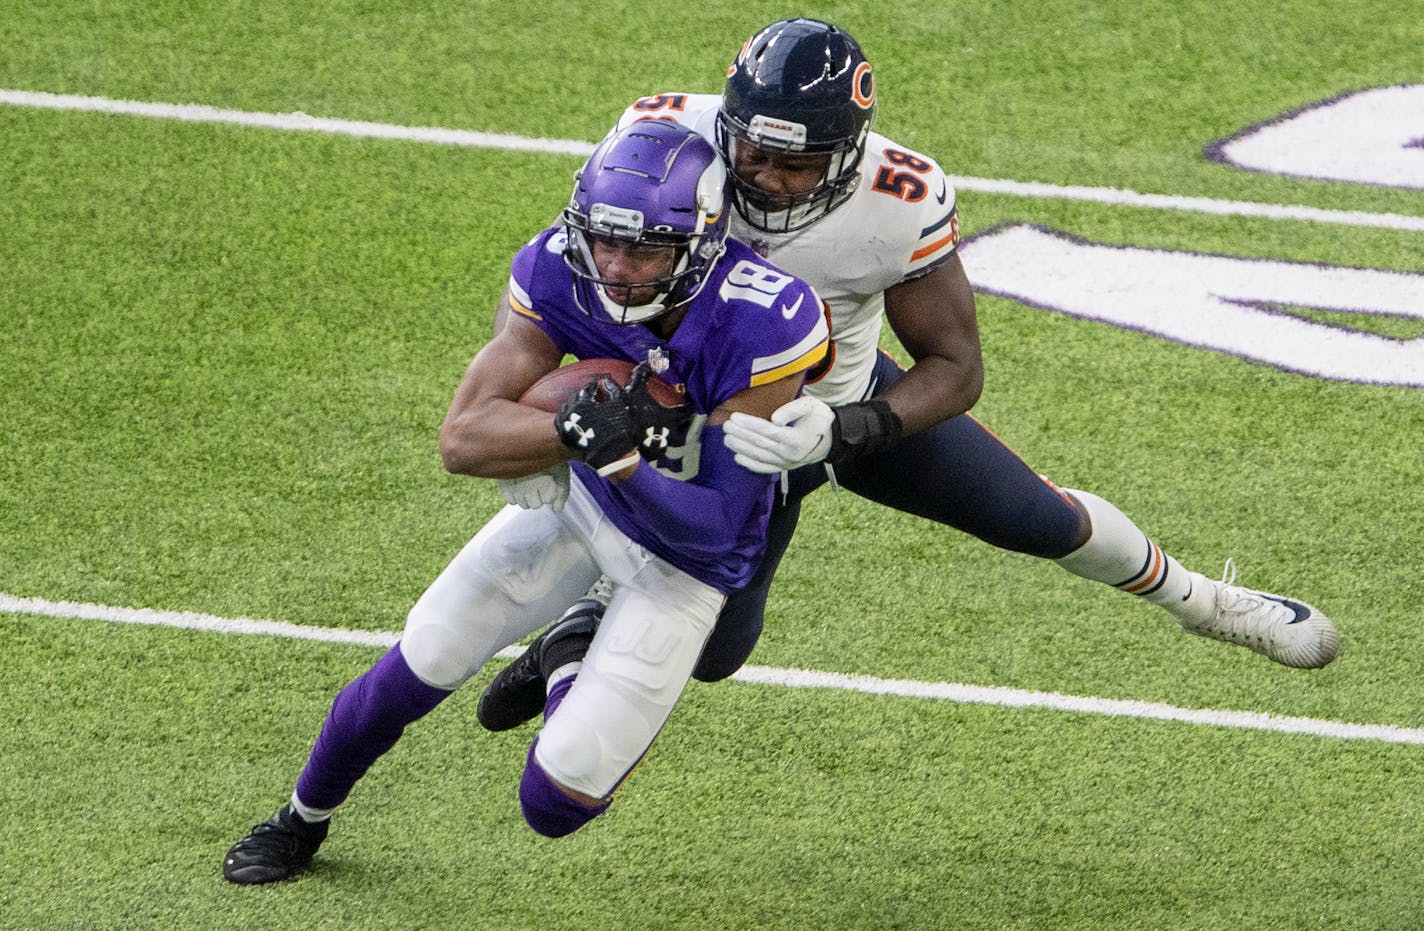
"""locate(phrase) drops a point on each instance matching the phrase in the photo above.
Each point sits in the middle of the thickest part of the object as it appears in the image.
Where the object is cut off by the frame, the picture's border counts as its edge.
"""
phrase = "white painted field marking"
(767, 675)
(294, 122)
(190, 620)
(1223, 303)
(1238, 208)
(301, 122)
(1372, 136)
(1021, 698)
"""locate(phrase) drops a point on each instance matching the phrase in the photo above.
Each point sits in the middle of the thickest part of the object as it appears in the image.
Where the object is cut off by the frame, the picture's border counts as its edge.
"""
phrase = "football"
(550, 391)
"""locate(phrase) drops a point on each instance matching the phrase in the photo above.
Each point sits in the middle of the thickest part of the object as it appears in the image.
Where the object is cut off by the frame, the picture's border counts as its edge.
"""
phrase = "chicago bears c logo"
(862, 86)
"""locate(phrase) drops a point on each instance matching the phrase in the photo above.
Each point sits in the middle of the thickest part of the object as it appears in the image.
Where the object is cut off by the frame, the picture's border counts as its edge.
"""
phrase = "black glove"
(596, 424)
(653, 424)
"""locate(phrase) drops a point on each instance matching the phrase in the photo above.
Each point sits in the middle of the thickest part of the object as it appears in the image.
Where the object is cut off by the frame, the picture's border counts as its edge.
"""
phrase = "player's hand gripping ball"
(659, 412)
(656, 411)
(595, 423)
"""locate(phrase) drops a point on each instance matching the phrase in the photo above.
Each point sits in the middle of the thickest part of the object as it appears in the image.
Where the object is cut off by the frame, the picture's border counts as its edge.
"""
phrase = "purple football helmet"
(652, 183)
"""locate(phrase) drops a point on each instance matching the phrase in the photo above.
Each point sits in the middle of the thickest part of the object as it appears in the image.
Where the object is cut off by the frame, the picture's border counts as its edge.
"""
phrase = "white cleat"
(1288, 631)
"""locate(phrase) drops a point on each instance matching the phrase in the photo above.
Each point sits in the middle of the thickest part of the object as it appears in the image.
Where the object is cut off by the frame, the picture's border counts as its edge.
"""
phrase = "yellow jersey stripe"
(799, 364)
(522, 310)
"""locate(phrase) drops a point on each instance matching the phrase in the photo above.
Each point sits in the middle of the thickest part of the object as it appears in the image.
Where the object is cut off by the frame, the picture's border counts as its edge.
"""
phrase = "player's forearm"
(935, 388)
(935, 318)
(501, 440)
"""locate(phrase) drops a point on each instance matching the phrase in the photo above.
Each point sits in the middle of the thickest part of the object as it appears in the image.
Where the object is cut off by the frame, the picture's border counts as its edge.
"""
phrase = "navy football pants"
(956, 473)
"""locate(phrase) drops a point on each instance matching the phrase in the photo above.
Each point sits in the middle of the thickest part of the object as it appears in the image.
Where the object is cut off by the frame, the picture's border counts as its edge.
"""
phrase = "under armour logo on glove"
(571, 427)
(656, 422)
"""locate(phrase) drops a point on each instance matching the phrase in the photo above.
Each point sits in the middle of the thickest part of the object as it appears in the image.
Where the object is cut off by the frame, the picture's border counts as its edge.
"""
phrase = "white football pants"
(520, 572)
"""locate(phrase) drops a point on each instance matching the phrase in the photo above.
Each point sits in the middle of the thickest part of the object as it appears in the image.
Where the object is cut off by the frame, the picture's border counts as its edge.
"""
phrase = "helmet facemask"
(692, 257)
(776, 212)
(653, 185)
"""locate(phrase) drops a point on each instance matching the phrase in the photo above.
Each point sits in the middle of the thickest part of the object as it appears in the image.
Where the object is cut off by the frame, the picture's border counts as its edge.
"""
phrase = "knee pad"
(441, 653)
(630, 680)
(573, 750)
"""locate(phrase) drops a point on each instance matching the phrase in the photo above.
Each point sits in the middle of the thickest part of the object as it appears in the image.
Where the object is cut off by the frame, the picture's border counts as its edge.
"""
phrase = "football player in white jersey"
(874, 226)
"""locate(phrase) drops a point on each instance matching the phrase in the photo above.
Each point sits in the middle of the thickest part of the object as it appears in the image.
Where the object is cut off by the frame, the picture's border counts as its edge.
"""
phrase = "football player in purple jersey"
(874, 227)
(652, 505)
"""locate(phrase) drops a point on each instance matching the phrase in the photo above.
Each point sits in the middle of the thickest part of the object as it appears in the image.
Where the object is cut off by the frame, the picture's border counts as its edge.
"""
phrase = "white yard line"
(297, 122)
(767, 675)
(1239, 208)
(431, 134)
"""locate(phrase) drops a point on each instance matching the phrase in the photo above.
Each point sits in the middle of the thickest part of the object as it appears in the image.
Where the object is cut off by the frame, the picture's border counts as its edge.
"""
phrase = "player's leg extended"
(500, 586)
(960, 474)
(603, 713)
(1119, 554)
(517, 569)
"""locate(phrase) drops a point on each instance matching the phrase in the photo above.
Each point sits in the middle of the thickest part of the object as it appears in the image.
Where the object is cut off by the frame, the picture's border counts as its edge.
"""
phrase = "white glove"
(797, 434)
(550, 487)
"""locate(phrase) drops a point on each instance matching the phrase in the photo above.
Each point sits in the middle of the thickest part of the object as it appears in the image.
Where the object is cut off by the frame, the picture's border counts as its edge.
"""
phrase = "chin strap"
(863, 428)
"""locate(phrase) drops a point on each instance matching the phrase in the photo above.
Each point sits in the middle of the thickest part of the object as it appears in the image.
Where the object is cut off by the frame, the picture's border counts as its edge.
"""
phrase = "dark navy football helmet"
(798, 86)
(652, 183)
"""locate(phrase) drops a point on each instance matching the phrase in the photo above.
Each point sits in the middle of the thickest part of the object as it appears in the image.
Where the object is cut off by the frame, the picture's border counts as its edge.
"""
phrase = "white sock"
(1119, 554)
(308, 814)
(570, 668)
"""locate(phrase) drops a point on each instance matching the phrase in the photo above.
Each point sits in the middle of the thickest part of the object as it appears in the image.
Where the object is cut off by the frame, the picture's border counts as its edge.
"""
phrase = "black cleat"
(517, 694)
(276, 849)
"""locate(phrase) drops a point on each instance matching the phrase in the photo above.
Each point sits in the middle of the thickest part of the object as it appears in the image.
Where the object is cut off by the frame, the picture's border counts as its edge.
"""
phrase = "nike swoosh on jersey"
(943, 190)
(789, 312)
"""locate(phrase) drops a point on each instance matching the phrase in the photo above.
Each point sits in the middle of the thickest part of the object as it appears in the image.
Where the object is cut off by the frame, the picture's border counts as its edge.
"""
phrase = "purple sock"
(366, 719)
(547, 808)
(557, 693)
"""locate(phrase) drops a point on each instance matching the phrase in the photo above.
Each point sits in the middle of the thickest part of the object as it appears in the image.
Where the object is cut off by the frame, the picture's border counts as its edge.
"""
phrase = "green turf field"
(225, 352)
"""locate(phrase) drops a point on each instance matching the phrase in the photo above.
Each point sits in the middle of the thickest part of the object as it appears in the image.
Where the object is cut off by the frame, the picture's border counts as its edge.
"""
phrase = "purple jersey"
(752, 324)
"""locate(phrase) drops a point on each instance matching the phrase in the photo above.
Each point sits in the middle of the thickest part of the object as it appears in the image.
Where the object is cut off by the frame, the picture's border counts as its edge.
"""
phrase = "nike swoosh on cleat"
(1300, 611)
(789, 312)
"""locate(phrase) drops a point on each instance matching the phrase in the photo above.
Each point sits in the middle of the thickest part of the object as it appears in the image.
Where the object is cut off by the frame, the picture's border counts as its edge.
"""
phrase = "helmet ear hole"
(798, 86)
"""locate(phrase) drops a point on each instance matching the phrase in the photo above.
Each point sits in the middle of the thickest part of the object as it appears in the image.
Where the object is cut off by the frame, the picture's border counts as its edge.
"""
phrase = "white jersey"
(900, 222)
